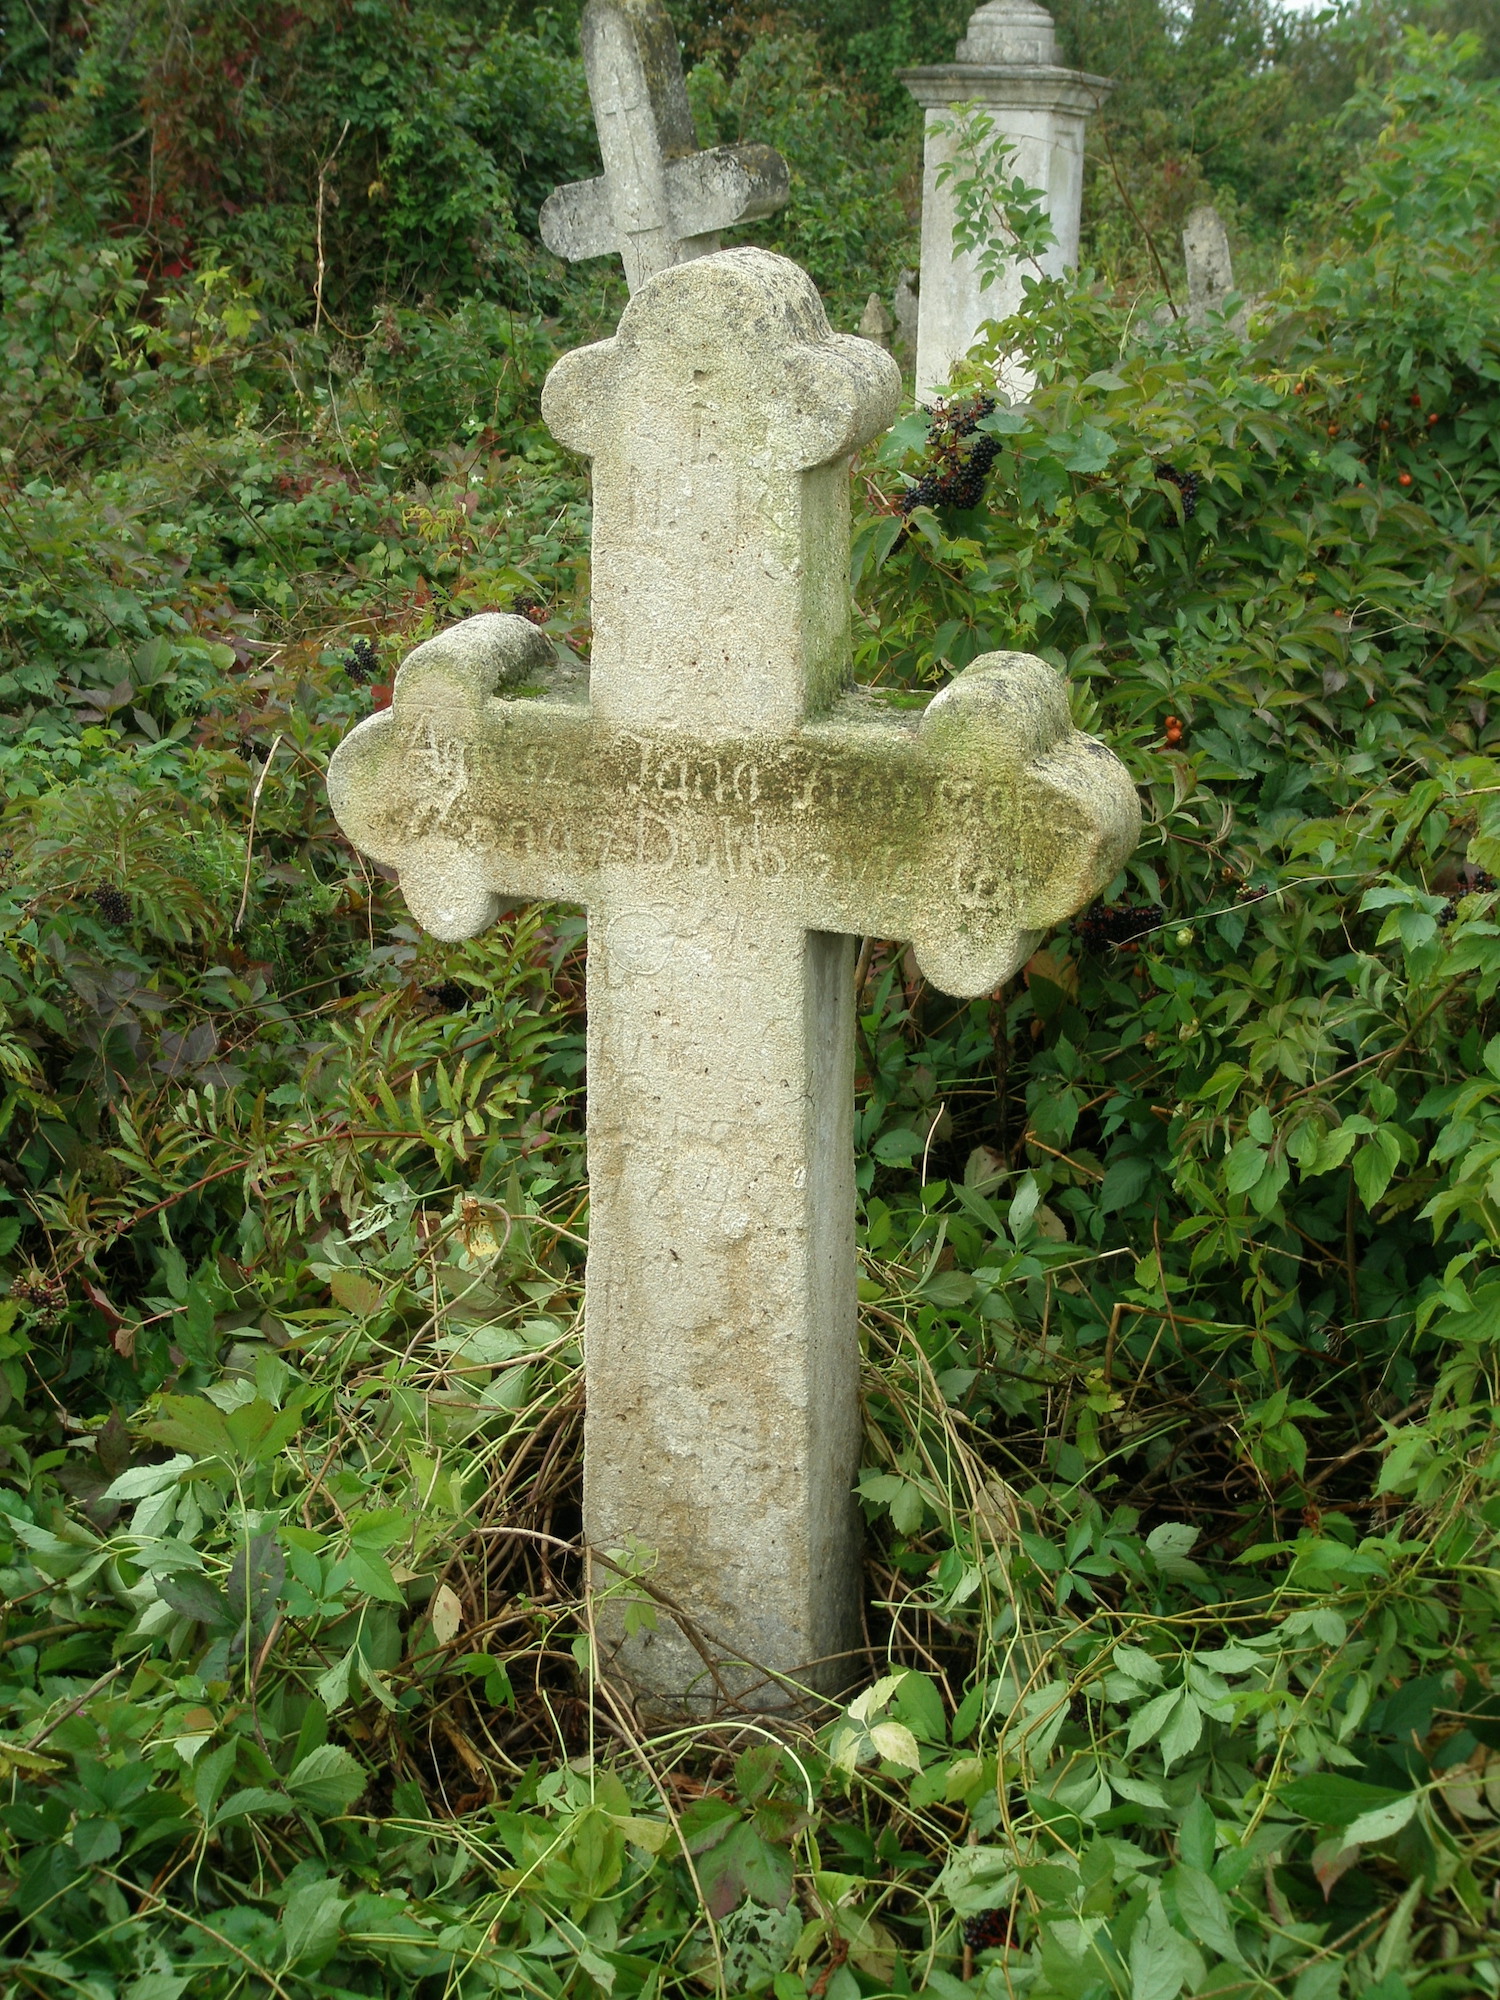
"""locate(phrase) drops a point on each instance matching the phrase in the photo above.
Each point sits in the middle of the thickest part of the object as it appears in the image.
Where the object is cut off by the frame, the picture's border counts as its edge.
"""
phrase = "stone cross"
(733, 814)
(1007, 66)
(660, 201)
(1210, 269)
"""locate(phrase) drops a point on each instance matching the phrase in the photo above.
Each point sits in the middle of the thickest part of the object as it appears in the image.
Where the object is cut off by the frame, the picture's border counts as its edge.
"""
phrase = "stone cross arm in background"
(660, 201)
(733, 814)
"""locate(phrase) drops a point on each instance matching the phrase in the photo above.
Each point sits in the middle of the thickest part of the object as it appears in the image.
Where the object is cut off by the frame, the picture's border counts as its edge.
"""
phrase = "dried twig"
(322, 197)
(265, 769)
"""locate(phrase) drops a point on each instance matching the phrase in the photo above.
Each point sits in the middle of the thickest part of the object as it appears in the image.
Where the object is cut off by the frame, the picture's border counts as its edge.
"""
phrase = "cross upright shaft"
(722, 1423)
(733, 814)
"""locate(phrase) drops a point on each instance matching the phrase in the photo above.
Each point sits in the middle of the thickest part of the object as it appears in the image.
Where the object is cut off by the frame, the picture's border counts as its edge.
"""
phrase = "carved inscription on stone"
(904, 824)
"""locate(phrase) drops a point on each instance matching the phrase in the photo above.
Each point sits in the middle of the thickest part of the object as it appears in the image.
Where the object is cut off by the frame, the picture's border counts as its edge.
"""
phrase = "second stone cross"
(733, 813)
(660, 201)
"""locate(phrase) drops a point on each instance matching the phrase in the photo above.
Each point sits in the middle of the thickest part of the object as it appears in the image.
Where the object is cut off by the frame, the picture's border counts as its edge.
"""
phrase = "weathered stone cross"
(661, 201)
(733, 813)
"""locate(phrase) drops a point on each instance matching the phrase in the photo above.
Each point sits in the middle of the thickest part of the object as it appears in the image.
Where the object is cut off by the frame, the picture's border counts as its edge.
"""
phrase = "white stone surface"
(733, 814)
(876, 322)
(660, 201)
(1007, 65)
(1210, 268)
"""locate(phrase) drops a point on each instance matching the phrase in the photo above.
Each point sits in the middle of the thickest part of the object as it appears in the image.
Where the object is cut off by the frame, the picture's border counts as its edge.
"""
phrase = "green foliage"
(307, 145)
(997, 219)
(845, 223)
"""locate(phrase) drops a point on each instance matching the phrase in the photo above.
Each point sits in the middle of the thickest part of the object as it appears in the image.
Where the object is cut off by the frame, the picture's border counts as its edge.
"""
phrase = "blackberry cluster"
(1471, 882)
(957, 470)
(988, 1931)
(1116, 926)
(361, 663)
(45, 1296)
(450, 996)
(112, 904)
(530, 608)
(1186, 484)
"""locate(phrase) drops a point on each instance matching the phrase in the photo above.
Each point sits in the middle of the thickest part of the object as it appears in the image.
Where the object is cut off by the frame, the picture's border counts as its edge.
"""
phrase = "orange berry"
(1404, 480)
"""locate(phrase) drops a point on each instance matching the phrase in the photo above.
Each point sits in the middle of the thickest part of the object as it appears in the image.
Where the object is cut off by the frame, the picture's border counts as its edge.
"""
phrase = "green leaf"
(190, 1424)
(158, 1986)
(756, 1771)
(741, 1864)
(1327, 1799)
(1205, 1912)
(1161, 1962)
(1381, 1821)
(327, 1781)
(1182, 1730)
(1375, 1163)
(1150, 1719)
(141, 1481)
(706, 1822)
(193, 1596)
(978, 1878)
(310, 1921)
(1243, 1166)
(96, 1839)
(259, 1432)
(896, 1744)
(256, 1578)
(252, 1802)
(1093, 451)
(947, 1289)
(1196, 1835)
(332, 1685)
(1169, 1545)
(918, 1703)
(898, 1148)
(1125, 1181)
(372, 1574)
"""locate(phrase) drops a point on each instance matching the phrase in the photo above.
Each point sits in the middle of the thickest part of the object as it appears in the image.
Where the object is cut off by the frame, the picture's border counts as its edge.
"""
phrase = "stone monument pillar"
(1210, 268)
(1007, 65)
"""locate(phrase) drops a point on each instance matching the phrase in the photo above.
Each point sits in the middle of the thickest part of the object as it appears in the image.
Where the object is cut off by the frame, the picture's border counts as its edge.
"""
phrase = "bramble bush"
(1178, 1288)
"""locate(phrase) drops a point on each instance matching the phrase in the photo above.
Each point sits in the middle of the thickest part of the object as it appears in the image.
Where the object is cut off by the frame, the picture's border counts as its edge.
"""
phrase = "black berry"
(112, 904)
(361, 663)
(1186, 484)
(957, 469)
(1116, 926)
(987, 1931)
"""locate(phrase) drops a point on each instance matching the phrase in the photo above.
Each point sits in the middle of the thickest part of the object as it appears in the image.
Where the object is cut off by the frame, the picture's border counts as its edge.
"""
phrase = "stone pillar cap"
(1009, 31)
(1034, 85)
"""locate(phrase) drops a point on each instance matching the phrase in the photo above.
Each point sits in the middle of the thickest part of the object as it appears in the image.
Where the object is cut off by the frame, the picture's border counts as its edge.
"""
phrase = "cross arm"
(706, 192)
(406, 784)
(967, 828)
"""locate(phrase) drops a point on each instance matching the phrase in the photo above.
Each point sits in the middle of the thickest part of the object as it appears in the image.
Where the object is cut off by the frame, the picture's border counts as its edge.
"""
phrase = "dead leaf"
(1055, 968)
(446, 1613)
(355, 1292)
